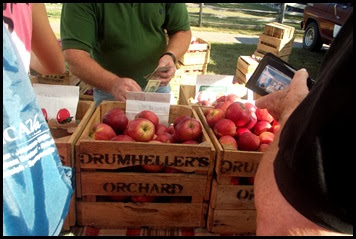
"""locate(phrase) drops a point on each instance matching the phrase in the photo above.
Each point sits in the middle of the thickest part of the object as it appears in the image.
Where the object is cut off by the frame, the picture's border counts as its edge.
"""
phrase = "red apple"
(253, 120)
(221, 99)
(190, 142)
(224, 127)
(172, 170)
(207, 111)
(263, 114)
(147, 114)
(275, 126)
(234, 181)
(143, 198)
(154, 141)
(206, 103)
(266, 137)
(123, 137)
(103, 131)
(170, 129)
(251, 107)
(152, 168)
(179, 119)
(263, 147)
(261, 126)
(223, 105)
(238, 113)
(161, 128)
(229, 141)
(141, 130)
(214, 116)
(165, 138)
(188, 129)
(231, 97)
(117, 119)
(248, 141)
(241, 130)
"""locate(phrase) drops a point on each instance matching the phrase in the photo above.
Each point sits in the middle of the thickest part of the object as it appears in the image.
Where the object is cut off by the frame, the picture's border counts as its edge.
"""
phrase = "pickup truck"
(321, 23)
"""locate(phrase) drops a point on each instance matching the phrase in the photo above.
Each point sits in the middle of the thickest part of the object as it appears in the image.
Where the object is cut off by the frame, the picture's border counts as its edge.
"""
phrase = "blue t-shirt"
(36, 187)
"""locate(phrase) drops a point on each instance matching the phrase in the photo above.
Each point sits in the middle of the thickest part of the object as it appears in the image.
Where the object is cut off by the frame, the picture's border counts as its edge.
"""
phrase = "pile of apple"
(145, 127)
(207, 98)
(242, 126)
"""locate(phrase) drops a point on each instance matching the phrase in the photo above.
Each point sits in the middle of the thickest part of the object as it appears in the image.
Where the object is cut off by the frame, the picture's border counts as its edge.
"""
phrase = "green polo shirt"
(124, 38)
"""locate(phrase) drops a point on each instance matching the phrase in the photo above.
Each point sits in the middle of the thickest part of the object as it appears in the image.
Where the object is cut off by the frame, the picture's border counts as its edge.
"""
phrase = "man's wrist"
(171, 55)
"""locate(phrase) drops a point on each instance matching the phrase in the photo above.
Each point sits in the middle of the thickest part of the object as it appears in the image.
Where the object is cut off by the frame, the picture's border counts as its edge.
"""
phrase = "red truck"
(322, 22)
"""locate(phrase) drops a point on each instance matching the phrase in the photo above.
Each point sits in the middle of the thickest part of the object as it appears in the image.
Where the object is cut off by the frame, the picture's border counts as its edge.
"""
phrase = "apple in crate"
(118, 198)
(165, 138)
(248, 141)
(123, 137)
(102, 131)
(152, 168)
(117, 119)
(147, 114)
(263, 114)
(266, 137)
(161, 128)
(172, 170)
(141, 130)
(214, 116)
(238, 113)
(224, 127)
(190, 142)
(228, 140)
(179, 119)
(188, 129)
(261, 126)
(143, 198)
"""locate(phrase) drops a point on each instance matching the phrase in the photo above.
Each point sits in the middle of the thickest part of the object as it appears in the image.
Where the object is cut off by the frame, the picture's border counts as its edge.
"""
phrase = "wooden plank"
(232, 196)
(157, 215)
(137, 184)
(232, 221)
(246, 64)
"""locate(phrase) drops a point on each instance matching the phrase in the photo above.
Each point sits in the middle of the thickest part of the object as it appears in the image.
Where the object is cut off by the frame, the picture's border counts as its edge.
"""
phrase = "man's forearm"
(85, 68)
(179, 43)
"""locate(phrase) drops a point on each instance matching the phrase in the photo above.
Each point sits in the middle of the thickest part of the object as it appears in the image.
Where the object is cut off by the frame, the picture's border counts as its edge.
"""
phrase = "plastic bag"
(36, 187)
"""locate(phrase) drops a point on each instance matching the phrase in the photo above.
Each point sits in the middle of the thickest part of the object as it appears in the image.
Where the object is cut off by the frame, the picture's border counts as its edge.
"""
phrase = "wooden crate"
(232, 209)
(183, 77)
(65, 146)
(278, 30)
(246, 64)
(197, 54)
(230, 162)
(97, 167)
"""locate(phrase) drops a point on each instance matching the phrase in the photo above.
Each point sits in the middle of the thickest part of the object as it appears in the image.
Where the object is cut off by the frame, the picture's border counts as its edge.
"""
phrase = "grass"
(223, 58)
(235, 18)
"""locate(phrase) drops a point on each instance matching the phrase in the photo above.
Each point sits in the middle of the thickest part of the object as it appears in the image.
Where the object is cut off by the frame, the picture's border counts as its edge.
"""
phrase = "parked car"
(322, 22)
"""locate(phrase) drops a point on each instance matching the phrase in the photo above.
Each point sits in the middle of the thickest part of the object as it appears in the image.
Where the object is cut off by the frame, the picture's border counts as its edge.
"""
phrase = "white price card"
(159, 103)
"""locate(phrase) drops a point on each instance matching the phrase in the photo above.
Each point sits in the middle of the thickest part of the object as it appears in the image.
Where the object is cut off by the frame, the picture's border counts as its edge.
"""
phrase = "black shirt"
(314, 164)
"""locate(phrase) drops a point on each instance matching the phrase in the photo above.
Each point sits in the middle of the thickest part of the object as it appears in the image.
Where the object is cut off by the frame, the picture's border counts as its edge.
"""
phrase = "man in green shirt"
(112, 46)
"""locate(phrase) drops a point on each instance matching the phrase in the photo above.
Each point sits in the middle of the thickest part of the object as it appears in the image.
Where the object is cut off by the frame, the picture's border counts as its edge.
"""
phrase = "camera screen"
(272, 79)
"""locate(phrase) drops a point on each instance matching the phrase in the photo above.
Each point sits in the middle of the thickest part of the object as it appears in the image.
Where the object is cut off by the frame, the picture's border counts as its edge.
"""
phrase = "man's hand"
(123, 85)
(280, 104)
(166, 76)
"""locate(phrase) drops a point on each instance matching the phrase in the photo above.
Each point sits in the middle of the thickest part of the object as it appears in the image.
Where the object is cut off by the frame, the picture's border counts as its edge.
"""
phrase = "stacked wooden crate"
(231, 208)
(245, 67)
(194, 62)
(276, 38)
(65, 143)
(112, 169)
